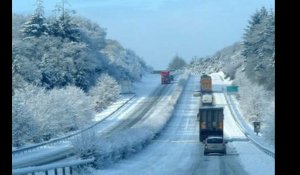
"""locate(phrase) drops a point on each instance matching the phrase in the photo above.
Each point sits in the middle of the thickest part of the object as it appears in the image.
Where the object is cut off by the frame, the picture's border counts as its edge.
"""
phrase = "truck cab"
(165, 77)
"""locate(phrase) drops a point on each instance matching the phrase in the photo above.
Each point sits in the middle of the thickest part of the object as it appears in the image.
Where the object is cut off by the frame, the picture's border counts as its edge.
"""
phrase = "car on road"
(214, 144)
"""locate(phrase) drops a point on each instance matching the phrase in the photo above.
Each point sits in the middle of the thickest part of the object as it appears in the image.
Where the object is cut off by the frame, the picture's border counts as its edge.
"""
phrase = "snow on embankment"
(244, 125)
(119, 146)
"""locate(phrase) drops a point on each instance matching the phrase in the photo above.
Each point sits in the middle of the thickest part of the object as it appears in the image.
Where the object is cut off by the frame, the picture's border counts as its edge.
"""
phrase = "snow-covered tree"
(24, 127)
(253, 98)
(131, 66)
(55, 111)
(17, 23)
(257, 104)
(63, 25)
(176, 63)
(36, 25)
(58, 65)
(67, 109)
(90, 33)
(230, 68)
(53, 62)
(57, 61)
(86, 144)
(105, 91)
(259, 48)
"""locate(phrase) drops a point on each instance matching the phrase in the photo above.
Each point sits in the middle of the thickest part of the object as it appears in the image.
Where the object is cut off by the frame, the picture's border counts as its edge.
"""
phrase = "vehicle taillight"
(221, 125)
(203, 126)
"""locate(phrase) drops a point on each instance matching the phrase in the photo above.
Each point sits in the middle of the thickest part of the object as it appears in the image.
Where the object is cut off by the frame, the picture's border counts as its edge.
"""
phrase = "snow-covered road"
(177, 149)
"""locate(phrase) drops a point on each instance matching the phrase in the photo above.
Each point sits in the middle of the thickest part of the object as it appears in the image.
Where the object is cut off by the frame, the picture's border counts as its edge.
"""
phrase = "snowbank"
(248, 129)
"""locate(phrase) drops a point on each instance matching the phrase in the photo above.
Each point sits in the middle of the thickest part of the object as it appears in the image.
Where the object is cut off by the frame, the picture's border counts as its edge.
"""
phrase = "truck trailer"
(205, 84)
(211, 120)
(165, 77)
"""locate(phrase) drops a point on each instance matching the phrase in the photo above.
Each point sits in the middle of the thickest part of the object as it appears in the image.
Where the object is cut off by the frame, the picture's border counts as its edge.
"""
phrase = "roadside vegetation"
(64, 70)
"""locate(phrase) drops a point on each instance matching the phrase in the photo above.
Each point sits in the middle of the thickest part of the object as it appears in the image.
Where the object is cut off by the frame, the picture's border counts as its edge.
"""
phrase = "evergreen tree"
(253, 30)
(63, 25)
(36, 25)
(259, 48)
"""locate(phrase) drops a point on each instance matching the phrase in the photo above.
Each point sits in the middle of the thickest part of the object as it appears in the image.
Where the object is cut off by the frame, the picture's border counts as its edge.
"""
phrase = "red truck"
(165, 77)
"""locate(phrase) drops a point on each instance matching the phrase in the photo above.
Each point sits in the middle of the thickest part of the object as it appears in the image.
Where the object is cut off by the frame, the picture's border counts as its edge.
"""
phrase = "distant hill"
(227, 60)
(52, 52)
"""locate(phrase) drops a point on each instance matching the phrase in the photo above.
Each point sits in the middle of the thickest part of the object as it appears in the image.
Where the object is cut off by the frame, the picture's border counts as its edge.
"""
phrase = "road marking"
(178, 141)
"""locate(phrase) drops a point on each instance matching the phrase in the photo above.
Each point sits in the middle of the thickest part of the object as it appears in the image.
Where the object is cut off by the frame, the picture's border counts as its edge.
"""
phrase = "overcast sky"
(157, 30)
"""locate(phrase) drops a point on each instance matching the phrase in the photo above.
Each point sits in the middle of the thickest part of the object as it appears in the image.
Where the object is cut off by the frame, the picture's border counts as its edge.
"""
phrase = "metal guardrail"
(66, 168)
(233, 112)
(266, 150)
(26, 149)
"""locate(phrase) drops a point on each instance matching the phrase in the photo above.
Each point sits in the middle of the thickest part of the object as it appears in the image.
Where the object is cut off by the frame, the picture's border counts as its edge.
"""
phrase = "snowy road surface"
(177, 149)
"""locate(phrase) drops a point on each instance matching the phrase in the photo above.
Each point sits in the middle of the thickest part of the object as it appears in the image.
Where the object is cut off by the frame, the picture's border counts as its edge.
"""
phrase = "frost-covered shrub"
(24, 127)
(104, 92)
(27, 97)
(268, 127)
(257, 104)
(253, 98)
(55, 112)
(230, 68)
(85, 144)
(69, 109)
